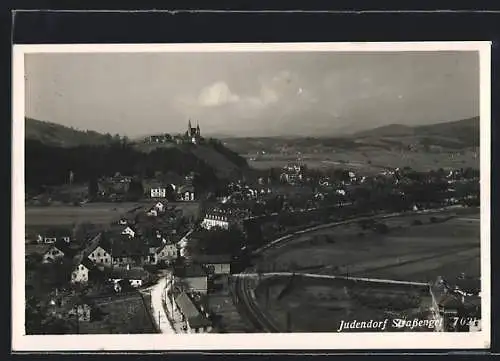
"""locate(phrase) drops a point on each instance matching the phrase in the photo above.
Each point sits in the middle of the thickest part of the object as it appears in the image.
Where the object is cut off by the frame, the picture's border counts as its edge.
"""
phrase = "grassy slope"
(59, 135)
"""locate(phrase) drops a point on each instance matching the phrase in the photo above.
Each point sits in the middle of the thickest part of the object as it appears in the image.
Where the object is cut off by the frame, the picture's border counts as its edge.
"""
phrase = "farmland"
(97, 213)
(312, 305)
(415, 248)
(371, 161)
(407, 252)
(124, 315)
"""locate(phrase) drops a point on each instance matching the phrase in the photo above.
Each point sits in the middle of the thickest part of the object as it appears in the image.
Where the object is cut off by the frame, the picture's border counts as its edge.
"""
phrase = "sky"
(252, 93)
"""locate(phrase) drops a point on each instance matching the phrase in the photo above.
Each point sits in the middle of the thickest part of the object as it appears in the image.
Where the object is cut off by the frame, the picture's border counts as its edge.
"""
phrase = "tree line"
(47, 165)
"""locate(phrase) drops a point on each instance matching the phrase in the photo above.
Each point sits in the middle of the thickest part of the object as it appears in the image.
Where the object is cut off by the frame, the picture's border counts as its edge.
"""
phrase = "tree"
(136, 189)
(93, 188)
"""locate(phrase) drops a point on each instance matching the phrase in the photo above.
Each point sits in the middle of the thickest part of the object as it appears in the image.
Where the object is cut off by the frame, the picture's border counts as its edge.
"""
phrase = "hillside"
(61, 136)
(448, 135)
(453, 136)
(53, 150)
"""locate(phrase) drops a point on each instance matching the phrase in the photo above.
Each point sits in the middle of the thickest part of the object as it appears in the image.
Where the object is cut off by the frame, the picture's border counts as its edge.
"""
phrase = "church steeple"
(197, 128)
(189, 125)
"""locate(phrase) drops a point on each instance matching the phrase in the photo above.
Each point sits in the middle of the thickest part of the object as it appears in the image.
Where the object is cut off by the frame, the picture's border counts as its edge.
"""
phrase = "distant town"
(163, 240)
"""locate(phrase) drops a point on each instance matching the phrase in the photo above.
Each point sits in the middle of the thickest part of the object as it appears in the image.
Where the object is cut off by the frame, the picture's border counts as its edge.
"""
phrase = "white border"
(296, 341)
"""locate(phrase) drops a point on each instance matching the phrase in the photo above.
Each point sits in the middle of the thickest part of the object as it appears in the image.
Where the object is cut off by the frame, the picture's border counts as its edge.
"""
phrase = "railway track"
(242, 287)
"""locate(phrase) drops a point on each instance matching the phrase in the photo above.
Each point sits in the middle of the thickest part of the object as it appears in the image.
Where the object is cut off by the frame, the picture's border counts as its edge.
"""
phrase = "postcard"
(305, 196)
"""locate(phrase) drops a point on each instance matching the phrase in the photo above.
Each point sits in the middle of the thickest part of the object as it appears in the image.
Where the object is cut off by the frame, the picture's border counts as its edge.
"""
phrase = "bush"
(381, 228)
(433, 220)
(417, 222)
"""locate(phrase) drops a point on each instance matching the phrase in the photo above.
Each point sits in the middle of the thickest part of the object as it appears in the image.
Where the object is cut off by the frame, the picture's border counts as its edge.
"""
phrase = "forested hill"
(50, 165)
(52, 151)
(61, 136)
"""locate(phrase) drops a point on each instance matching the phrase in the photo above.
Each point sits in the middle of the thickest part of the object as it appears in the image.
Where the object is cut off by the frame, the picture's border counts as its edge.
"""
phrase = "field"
(408, 252)
(120, 315)
(97, 213)
(372, 161)
(312, 305)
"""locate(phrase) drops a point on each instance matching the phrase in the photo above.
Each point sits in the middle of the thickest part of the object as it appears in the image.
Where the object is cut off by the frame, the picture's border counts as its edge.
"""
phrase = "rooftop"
(211, 258)
(189, 270)
(131, 274)
(190, 311)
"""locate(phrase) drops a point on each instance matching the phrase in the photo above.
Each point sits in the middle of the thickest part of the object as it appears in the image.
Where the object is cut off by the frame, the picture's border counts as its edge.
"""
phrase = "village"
(194, 253)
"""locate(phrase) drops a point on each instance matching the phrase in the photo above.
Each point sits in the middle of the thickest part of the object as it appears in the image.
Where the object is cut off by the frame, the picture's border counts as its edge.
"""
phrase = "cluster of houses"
(457, 307)
(120, 254)
(168, 187)
(293, 174)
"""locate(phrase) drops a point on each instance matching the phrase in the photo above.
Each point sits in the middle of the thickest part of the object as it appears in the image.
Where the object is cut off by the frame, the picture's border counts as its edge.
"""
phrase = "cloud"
(217, 94)
(282, 88)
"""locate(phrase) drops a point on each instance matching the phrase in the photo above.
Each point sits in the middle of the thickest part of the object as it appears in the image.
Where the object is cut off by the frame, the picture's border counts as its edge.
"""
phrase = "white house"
(214, 264)
(100, 256)
(186, 193)
(152, 213)
(158, 192)
(129, 232)
(215, 219)
(167, 252)
(81, 272)
(53, 235)
(135, 276)
(159, 207)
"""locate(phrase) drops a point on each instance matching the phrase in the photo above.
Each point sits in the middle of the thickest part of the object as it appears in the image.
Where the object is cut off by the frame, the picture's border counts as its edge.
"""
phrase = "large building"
(193, 134)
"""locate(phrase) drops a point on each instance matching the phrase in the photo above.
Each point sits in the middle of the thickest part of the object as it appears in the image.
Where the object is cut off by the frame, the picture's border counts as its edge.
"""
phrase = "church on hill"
(193, 134)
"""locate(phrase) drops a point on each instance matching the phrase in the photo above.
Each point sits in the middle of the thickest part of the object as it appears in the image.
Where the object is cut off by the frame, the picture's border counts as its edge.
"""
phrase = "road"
(244, 298)
(159, 314)
(332, 277)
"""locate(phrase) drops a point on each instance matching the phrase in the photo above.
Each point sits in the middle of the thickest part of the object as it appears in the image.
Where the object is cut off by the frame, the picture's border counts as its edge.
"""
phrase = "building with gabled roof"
(193, 276)
(58, 250)
(83, 271)
(195, 320)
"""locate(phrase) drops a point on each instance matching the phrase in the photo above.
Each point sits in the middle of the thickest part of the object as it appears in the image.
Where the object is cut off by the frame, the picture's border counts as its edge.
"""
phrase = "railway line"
(242, 287)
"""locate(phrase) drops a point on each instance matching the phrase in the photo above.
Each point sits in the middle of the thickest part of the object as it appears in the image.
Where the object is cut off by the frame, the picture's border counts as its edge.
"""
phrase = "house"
(130, 252)
(215, 219)
(196, 321)
(192, 276)
(58, 250)
(82, 272)
(215, 264)
(450, 303)
(159, 192)
(100, 253)
(81, 310)
(129, 232)
(136, 277)
(159, 207)
(53, 235)
(186, 193)
(166, 253)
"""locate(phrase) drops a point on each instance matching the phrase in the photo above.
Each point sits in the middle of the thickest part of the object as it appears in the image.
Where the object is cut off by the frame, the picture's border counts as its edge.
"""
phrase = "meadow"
(96, 213)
